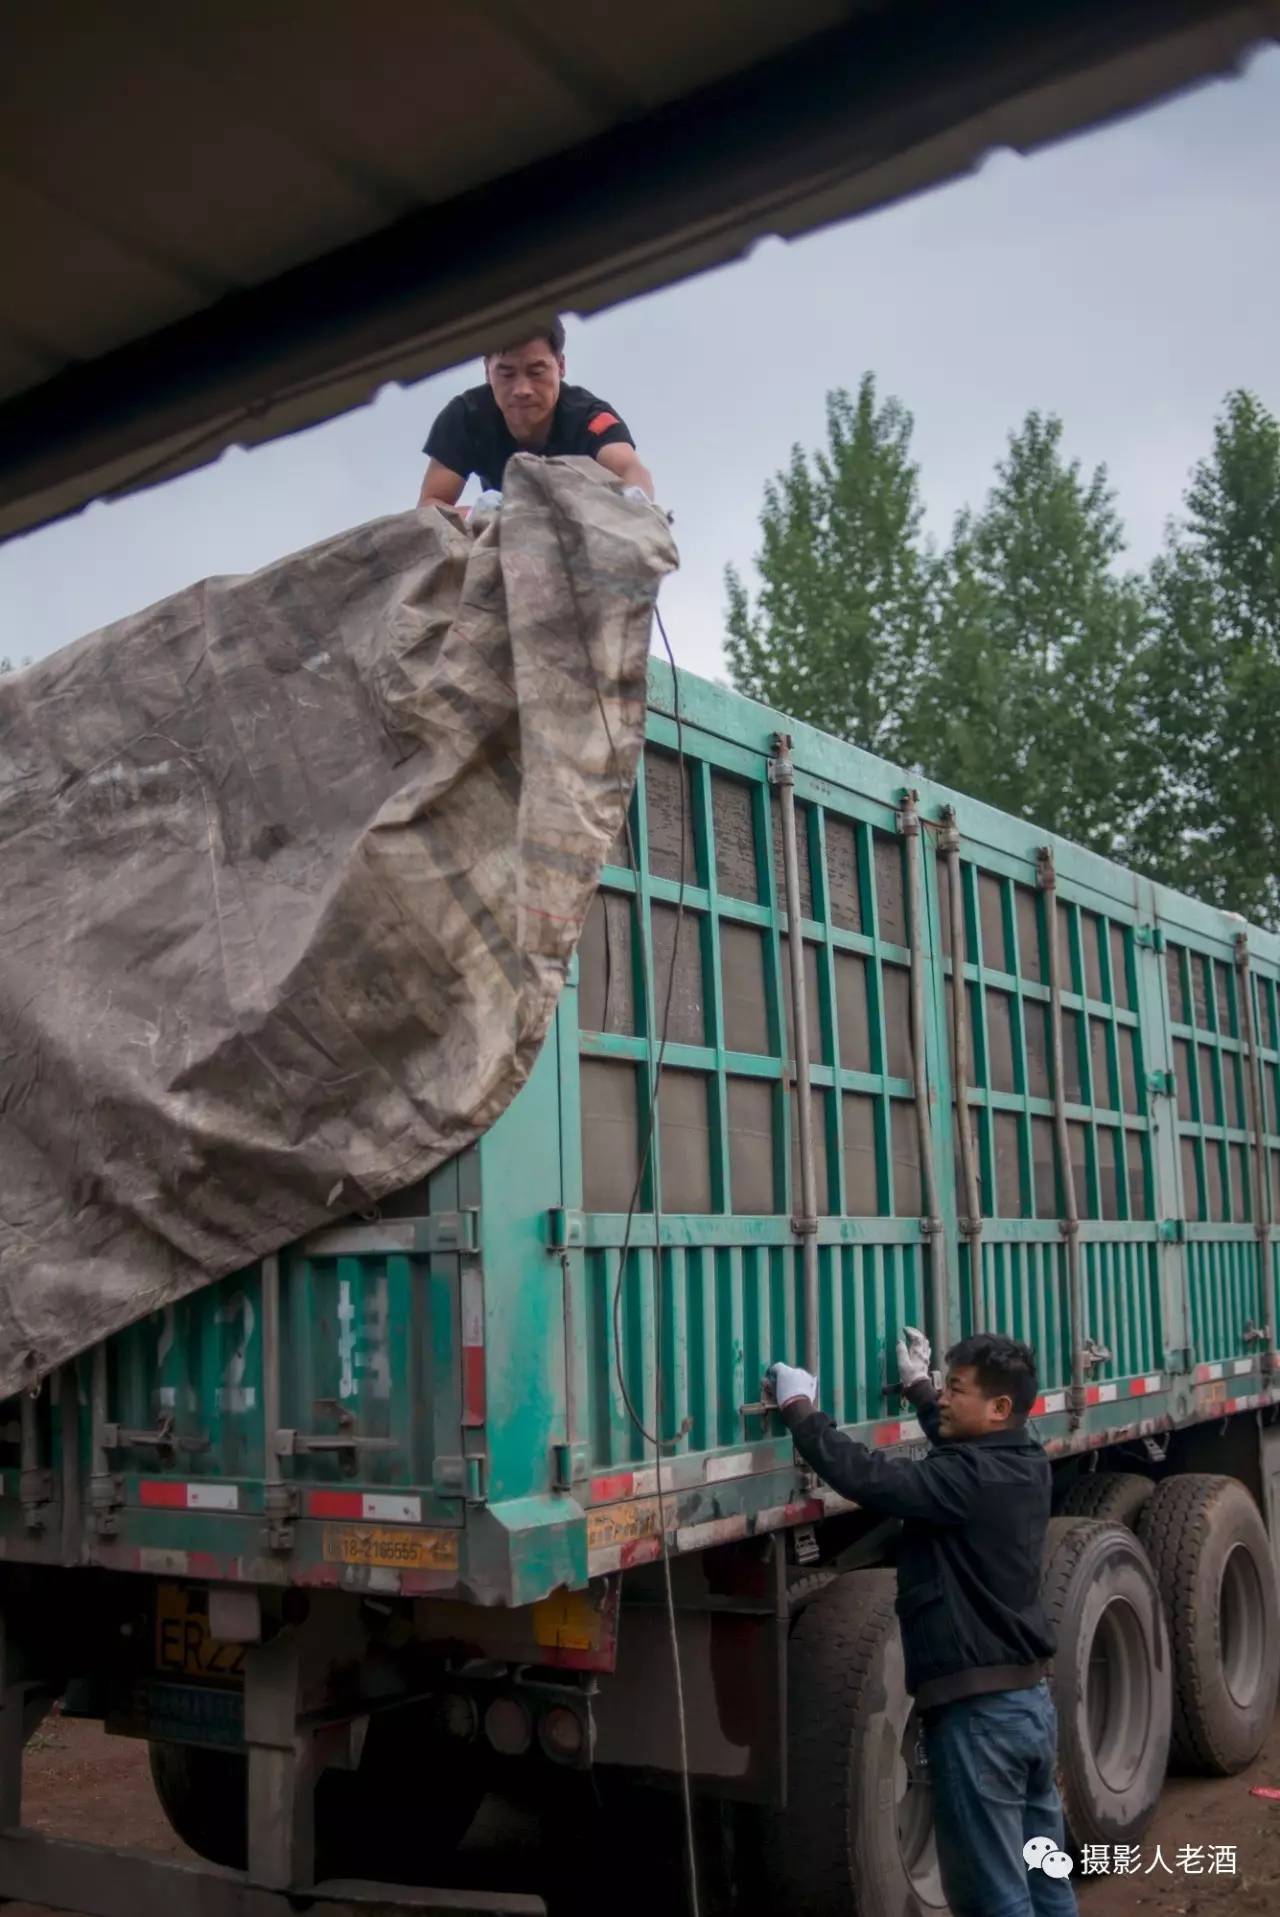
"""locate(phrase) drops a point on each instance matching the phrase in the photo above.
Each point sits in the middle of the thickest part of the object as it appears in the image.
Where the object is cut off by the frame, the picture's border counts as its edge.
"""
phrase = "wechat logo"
(1042, 1853)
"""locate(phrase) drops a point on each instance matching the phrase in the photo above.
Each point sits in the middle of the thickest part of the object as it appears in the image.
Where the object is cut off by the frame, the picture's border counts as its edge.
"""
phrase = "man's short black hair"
(553, 334)
(1004, 1367)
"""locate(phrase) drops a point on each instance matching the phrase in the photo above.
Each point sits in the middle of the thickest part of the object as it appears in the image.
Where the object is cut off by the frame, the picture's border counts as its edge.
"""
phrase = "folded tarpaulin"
(292, 867)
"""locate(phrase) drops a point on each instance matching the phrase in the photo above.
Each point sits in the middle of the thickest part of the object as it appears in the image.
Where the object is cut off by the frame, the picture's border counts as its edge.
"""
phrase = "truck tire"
(857, 1835)
(1217, 1579)
(1115, 1497)
(393, 1819)
(1112, 1678)
(804, 1589)
(202, 1794)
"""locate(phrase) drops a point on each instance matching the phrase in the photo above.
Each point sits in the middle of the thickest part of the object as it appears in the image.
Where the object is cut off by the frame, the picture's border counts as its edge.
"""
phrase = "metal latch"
(106, 1495)
(344, 1442)
(164, 1440)
(453, 1230)
(1150, 936)
(35, 1489)
(570, 1462)
(1163, 1084)
(760, 1409)
(459, 1477)
(566, 1230)
(280, 1504)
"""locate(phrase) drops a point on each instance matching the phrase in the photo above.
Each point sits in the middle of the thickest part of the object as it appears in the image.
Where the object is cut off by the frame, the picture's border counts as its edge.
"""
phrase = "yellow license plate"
(185, 1647)
(622, 1523)
(387, 1550)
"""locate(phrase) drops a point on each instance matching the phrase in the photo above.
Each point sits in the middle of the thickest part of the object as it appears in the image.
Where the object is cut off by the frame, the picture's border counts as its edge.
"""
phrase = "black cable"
(686, 1790)
(637, 1417)
(654, 1438)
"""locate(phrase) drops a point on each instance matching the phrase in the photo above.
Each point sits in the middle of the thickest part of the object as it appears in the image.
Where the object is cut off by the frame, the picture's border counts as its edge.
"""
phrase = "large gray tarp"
(292, 867)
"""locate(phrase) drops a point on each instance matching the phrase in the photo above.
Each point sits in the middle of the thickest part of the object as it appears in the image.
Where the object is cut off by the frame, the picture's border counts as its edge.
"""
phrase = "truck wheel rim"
(1118, 1695)
(1241, 1625)
(914, 1804)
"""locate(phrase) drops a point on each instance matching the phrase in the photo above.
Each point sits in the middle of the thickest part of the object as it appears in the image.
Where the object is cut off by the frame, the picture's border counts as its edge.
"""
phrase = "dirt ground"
(1202, 1812)
(82, 1784)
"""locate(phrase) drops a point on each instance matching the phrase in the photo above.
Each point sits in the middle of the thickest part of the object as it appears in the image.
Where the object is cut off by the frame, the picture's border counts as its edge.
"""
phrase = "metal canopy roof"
(222, 224)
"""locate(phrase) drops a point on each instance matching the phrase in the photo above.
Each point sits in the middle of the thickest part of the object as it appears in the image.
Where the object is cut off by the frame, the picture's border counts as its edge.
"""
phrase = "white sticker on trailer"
(736, 1465)
(395, 1510)
(1242, 1365)
(213, 1497)
(372, 1578)
(472, 1308)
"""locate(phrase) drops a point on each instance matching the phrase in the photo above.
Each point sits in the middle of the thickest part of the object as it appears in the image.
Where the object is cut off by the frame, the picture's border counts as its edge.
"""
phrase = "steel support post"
(281, 1768)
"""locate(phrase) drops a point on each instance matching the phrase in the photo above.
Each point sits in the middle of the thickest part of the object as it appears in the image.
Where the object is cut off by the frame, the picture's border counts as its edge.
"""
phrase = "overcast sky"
(1125, 280)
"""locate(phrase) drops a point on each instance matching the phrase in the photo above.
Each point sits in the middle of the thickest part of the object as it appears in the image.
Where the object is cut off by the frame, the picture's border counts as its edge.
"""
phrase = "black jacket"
(974, 1518)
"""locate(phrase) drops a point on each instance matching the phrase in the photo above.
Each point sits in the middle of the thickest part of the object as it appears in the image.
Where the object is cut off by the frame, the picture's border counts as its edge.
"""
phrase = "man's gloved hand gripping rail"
(938, 1489)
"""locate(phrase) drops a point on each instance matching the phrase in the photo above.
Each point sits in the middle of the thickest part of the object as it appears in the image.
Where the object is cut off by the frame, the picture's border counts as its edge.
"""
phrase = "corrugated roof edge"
(844, 122)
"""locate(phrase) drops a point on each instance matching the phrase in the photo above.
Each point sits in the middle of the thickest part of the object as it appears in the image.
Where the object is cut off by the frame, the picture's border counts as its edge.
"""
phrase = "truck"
(483, 1486)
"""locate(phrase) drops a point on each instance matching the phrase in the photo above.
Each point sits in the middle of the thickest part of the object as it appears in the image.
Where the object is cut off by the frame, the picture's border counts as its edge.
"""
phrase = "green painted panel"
(500, 1332)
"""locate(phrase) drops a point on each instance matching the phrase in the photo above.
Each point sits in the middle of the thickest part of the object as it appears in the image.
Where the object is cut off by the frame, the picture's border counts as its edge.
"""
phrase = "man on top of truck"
(524, 406)
(975, 1637)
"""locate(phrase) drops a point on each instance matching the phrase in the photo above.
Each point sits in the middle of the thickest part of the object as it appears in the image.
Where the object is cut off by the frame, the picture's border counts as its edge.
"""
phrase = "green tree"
(1211, 679)
(1028, 700)
(837, 633)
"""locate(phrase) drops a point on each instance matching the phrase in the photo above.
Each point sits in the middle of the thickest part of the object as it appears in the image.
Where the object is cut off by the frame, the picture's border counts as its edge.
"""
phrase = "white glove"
(642, 498)
(787, 1382)
(915, 1357)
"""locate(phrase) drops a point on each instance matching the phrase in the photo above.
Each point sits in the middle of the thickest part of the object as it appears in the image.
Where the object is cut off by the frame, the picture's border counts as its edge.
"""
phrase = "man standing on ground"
(524, 406)
(975, 1637)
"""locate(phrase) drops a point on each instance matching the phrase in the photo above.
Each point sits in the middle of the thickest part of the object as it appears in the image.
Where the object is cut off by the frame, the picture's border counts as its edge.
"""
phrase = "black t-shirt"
(471, 436)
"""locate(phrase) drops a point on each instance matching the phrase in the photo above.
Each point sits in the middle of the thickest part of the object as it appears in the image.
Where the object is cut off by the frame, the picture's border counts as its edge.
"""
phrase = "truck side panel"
(464, 1389)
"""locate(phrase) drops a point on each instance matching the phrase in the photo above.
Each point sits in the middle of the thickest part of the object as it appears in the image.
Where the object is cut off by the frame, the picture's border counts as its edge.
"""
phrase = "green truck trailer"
(354, 1532)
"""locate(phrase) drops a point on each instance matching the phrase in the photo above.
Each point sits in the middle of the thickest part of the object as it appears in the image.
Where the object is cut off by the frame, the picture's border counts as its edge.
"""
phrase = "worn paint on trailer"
(458, 1370)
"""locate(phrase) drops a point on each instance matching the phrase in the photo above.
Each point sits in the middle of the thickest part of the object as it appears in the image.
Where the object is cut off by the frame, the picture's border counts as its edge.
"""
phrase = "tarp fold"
(292, 867)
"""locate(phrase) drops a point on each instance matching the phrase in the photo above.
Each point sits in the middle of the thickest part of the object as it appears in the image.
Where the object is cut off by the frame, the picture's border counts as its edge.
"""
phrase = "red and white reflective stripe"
(1048, 1402)
(164, 1494)
(898, 1431)
(1101, 1393)
(619, 1484)
(473, 1383)
(1240, 1366)
(367, 1507)
(1205, 1374)
(632, 1484)
(1140, 1387)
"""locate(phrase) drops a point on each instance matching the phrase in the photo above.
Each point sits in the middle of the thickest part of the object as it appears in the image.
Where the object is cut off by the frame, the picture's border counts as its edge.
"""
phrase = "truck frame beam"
(97, 1882)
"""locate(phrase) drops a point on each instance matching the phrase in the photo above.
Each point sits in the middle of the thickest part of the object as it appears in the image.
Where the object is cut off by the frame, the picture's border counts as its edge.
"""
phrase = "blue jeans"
(991, 1765)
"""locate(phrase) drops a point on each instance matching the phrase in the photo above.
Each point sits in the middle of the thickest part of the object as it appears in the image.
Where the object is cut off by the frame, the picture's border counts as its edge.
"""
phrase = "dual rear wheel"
(1168, 1650)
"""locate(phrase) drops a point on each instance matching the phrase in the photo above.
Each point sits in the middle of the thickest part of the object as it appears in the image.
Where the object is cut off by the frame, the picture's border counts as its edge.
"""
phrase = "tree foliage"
(837, 631)
(1136, 714)
(1030, 676)
(1211, 675)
